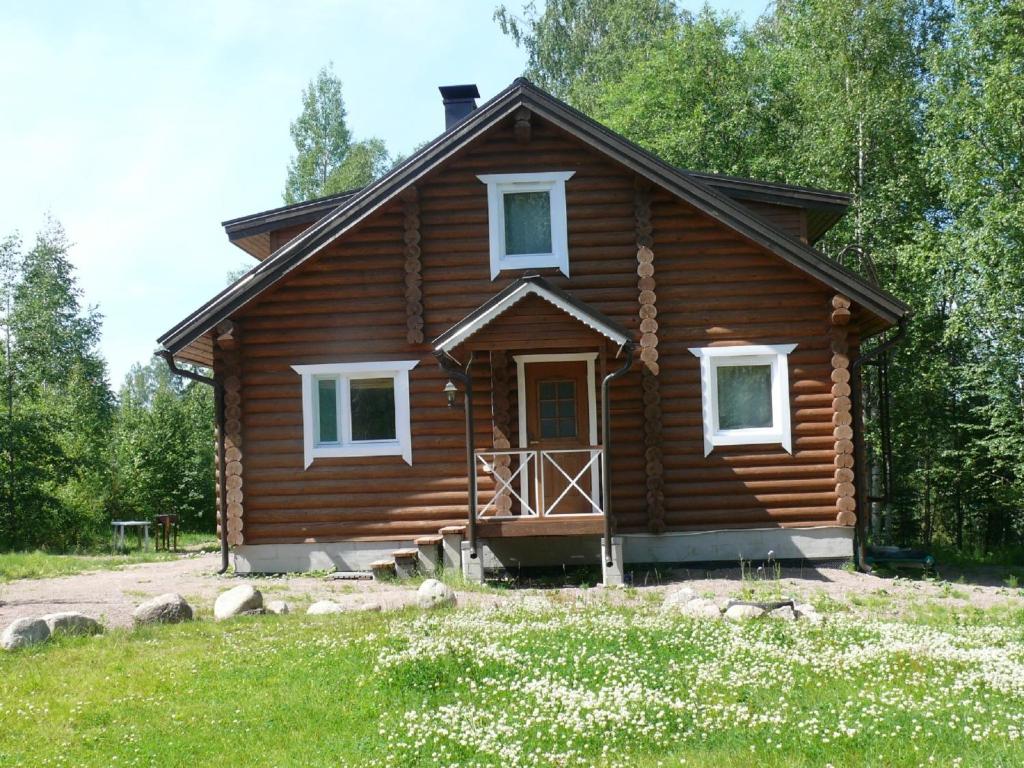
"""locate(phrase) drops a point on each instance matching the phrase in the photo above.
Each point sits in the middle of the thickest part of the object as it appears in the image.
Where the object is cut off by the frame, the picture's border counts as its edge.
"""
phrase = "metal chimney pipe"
(459, 101)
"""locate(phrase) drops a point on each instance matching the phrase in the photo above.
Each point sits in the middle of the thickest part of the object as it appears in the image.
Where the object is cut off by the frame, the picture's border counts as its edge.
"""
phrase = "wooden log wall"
(716, 290)
(350, 304)
(228, 366)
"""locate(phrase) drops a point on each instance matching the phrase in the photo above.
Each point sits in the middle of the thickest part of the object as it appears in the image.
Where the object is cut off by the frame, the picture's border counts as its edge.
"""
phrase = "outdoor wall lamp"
(449, 391)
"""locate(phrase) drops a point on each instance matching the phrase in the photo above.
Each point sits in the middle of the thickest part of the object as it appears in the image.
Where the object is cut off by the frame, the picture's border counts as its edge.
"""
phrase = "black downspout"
(606, 442)
(462, 375)
(859, 470)
(218, 414)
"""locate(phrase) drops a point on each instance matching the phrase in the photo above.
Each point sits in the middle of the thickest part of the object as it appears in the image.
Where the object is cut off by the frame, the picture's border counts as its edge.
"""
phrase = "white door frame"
(559, 357)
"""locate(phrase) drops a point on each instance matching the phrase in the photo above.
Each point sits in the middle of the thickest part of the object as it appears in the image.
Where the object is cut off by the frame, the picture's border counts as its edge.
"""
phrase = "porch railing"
(517, 484)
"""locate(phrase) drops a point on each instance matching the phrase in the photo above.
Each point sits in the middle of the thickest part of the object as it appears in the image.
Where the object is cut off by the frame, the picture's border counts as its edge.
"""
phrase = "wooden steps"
(431, 553)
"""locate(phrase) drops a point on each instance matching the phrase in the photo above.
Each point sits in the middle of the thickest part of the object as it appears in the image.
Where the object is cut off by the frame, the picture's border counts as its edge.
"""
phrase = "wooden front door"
(558, 419)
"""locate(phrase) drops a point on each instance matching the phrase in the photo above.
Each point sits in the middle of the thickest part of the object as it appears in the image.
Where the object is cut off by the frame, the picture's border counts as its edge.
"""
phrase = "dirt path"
(110, 596)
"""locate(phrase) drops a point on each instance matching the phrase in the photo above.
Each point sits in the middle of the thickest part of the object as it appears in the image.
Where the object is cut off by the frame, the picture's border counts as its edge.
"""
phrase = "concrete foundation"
(613, 571)
(826, 543)
(295, 558)
(511, 554)
(473, 567)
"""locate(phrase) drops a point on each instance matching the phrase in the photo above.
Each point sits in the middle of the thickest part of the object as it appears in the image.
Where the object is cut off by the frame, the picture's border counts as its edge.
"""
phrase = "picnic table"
(121, 526)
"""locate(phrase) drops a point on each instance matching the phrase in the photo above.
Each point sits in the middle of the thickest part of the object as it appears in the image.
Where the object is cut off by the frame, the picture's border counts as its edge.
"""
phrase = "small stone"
(169, 608)
(323, 607)
(71, 623)
(243, 599)
(677, 599)
(370, 607)
(434, 594)
(740, 612)
(785, 612)
(22, 633)
(701, 608)
(278, 607)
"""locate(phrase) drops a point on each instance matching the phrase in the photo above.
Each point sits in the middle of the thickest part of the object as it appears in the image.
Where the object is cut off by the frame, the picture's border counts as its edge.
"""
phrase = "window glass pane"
(744, 396)
(373, 409)
(327, 410)
(527, 222)
(557, 403)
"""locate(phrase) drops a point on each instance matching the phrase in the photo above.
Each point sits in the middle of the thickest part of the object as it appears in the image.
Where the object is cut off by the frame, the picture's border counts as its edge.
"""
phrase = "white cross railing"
(592, 468)
(519, 476)
(495, 465)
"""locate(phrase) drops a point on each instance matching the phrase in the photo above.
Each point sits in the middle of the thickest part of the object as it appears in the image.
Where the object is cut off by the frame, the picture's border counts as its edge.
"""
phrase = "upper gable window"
(527, 222)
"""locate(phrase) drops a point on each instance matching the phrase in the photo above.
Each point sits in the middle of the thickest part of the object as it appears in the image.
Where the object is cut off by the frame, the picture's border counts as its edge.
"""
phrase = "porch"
(533, 366)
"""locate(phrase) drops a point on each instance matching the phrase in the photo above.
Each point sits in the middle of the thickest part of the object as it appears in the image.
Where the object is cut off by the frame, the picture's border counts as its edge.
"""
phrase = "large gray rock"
(71, 623)
(278, 607)
(324, 607)
(434, 594)
(701, 608)
(243, 599)
(169, 608)
(741, 612)
(22, 633)
(676, 600)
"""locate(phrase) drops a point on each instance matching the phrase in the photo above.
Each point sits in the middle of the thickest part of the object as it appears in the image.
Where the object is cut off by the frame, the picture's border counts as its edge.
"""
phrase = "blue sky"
(141, 126)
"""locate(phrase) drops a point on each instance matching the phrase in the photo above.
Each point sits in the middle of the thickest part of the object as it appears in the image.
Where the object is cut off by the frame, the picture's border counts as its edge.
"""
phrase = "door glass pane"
(527, 222)
(744, 396)
(557, 404)
(373, 409)
(327, 411)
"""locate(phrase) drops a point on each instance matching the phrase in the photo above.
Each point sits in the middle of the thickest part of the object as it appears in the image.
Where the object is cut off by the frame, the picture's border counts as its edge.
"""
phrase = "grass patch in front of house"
(39, 564)
(525, 684)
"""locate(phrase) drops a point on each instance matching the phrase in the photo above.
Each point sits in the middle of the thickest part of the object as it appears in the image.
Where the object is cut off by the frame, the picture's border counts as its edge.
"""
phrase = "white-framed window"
(745, 395)
(356, 409)
(527, 221)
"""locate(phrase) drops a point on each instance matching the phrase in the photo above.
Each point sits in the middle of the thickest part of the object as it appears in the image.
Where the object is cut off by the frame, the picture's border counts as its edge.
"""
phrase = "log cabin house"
(533, 342)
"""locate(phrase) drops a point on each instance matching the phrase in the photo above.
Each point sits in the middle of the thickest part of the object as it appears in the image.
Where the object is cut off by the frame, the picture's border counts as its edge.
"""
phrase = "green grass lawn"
(551, 685)
(41, 565)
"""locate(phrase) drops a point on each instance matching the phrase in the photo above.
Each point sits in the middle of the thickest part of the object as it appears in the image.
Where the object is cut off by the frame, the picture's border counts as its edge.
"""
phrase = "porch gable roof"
(531, 285)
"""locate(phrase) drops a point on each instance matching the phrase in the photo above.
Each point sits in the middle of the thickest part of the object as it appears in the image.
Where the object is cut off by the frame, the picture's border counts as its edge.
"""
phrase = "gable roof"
(516, 291)
(522, 93)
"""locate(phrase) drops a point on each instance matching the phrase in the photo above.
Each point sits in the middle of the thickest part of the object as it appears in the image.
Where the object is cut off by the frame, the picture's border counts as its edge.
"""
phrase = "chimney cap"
(459, 92)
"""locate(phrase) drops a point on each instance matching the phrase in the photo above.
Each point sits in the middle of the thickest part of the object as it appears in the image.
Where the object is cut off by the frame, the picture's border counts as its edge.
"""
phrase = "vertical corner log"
(413, 266)
(521, 128)
(653, 463)
(842, 417)
(228, 369)
(500, 420)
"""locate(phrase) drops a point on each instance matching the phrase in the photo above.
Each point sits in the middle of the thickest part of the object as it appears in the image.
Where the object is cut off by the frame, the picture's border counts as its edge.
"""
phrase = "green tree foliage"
(327, 161)
(57, 421)
(163, 448)
(915, 107)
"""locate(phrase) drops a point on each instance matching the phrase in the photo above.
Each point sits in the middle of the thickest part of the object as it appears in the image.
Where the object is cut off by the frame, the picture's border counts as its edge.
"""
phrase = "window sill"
(381, 448)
